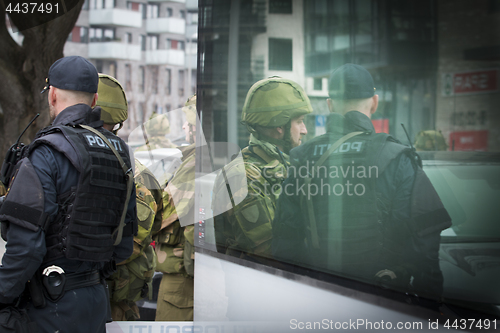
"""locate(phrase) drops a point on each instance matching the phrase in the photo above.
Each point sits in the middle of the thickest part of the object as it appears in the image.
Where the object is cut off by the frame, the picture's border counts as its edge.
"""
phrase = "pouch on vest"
(24, 210)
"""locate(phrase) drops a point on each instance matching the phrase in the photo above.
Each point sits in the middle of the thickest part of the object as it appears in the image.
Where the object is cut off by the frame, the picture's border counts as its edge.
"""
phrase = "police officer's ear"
(51, 96)
(94, 100)
(374, 106)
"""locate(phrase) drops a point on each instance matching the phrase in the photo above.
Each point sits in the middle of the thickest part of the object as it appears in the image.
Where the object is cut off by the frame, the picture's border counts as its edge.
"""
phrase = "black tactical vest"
(89, 213)
(350, 215)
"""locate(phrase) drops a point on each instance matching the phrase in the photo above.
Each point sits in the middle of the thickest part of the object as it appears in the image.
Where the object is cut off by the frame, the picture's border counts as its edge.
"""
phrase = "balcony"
(191, 61)
(165, 57)
(191, 4)
(115, 17)
(114, 50)
(166, 25)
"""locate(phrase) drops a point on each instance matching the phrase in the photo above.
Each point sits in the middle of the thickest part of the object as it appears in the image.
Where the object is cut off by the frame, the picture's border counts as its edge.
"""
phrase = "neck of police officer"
(60, 99)
(366, 106)
(109, 127)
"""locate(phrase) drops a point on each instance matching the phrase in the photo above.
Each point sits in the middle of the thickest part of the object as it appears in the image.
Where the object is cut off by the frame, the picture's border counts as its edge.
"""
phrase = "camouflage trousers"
(124, 311)
(175, 298)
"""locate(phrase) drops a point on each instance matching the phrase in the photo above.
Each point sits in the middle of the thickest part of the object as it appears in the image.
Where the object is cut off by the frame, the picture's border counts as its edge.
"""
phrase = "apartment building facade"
(150, 47)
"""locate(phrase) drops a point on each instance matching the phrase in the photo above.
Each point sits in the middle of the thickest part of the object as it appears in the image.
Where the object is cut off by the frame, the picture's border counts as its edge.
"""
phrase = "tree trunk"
(23, 70)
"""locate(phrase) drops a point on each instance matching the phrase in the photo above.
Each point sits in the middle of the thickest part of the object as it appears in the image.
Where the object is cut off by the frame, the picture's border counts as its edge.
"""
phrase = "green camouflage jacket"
(246, 228)
(156, 142)
(2, 189)
(174, 244)
(132, 280)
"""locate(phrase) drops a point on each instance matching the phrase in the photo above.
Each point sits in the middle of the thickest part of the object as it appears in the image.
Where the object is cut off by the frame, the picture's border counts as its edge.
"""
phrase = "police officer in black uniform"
(357, 203)
(70, 210)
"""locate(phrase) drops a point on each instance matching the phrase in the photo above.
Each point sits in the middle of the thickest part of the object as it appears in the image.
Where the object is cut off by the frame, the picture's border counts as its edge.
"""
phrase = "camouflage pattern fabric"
(133, 278)
(430, 140)
(3, 191)
(245, 230)
(175, 298)
(156, 142)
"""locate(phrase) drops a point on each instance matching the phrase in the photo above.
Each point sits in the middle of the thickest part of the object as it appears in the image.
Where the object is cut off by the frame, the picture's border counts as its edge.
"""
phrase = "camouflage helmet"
(112, 100)
(190, 110)
(274, 101)
(158, 124)
(430, 140)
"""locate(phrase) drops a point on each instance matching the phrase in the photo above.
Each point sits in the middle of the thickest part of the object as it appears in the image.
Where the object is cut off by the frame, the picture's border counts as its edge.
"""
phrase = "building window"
(100, 4)
(86, 5)
(101, 34)
(112, 69)
(183, 14)
(142, 78)
(193, 82)
(98, 66)
(128, 77)
(128, 38)
(181, 82)
(135, 6)
(140, 114)
(168, 81)
(318, 83)
(280, 54)
(84, 35)
(167, 107)
(154, 80)
(173, 44)
(153, 42)
(144, 11)
(192, 18)
(142, 42)
(280, 6)
(153, 11)
(170, 12)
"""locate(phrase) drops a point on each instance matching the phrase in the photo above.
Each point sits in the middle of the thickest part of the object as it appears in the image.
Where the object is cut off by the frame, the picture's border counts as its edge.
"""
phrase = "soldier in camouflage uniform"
(430, 140)
(133, 278)
(156, 128)
(174, 243)
(2, 189)
(273, 112)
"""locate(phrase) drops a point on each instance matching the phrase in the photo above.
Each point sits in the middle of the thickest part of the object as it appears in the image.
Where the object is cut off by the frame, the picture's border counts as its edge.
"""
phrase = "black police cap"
(351, 81)
(73, 73)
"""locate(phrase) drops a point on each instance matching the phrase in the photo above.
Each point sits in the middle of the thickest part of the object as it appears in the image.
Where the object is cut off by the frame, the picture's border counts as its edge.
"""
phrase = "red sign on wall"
(469, 140)
(470, 82)
(381, 125)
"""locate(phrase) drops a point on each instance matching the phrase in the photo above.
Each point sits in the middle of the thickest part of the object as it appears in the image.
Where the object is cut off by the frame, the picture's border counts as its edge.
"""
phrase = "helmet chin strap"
(287, 138)
(285, 143)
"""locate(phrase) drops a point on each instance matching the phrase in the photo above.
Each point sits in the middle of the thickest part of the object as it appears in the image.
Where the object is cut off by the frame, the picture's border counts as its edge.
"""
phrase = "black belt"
(81, 280)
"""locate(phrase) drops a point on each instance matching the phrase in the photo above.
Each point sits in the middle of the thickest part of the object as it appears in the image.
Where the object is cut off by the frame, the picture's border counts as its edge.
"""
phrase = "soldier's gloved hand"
(108, 269)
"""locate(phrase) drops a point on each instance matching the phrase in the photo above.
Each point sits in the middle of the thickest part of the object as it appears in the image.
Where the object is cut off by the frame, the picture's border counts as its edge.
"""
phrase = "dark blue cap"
(73, 73)
(351, 81)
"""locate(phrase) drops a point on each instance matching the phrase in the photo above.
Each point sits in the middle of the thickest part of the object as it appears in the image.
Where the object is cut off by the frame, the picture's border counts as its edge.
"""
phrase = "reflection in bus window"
(430, 72)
